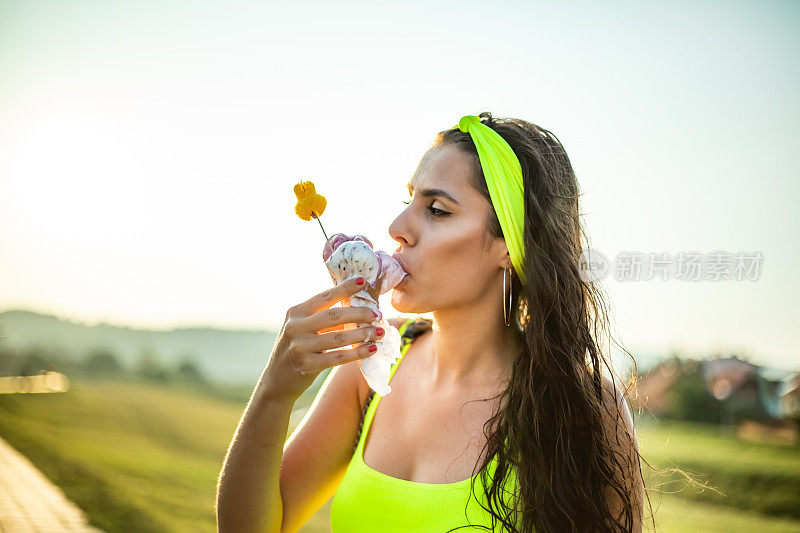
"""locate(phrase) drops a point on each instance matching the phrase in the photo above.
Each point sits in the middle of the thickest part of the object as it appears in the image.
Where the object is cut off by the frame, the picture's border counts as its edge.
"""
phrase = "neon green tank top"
(368, 500)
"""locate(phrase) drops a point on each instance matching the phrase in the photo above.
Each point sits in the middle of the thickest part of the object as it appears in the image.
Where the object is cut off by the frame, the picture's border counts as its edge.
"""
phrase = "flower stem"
(313, 214)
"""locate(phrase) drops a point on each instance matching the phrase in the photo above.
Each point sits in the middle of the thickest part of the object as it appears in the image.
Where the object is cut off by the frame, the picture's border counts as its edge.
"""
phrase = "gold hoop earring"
(507, 313)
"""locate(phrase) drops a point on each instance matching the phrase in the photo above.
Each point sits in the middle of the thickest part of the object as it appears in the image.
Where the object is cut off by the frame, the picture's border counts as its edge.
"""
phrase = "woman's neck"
(471, 347)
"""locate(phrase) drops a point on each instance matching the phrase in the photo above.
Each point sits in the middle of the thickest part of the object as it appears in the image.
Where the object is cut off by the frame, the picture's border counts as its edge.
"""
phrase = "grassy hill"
(748, 476)
(139, 457)
(229, 356)
(135, 457)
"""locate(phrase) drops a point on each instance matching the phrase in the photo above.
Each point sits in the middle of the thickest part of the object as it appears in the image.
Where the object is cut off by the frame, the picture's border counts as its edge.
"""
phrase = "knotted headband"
(503, 175)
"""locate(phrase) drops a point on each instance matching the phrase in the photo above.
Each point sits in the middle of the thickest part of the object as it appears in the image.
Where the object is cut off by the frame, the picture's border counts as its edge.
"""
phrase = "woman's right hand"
(312, 327)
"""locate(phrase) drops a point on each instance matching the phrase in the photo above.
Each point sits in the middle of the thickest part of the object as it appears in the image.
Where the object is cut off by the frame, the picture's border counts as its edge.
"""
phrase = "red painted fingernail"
(372, 348)
(359, 281)
(379, 331)
(374, 312)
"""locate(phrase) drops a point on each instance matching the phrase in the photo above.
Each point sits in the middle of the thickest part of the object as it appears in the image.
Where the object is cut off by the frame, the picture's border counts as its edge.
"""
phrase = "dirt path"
(29, 502)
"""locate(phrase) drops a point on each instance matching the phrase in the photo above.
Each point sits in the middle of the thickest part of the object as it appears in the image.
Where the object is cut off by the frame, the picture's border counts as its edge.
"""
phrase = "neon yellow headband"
(504, 180)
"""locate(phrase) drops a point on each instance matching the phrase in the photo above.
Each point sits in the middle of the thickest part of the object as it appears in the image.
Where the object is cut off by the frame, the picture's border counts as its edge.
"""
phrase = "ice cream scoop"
(347, 257)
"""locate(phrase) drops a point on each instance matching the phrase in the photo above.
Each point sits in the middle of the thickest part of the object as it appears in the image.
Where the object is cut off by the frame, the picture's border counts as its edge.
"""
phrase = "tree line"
(100, 362)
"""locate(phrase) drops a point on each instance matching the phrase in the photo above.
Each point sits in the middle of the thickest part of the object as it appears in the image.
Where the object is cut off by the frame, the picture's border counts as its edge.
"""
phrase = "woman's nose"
(402, 241)
(397, 231)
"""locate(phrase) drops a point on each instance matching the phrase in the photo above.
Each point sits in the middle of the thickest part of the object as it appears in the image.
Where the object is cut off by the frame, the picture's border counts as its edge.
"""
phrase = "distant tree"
(9, 360)
(149, 369)
(690, 399)
(102, 362)
(188, 371)
(34, 359)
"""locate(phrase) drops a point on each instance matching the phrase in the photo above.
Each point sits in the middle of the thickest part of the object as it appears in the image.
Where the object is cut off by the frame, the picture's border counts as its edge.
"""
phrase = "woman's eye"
(434, 212)
(437, 212)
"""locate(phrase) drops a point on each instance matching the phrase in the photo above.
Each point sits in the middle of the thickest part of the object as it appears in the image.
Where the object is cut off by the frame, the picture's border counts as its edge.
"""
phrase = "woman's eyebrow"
(426, 193)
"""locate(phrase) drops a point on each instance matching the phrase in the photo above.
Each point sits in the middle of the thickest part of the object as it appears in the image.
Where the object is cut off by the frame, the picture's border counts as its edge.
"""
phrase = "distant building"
(653, 387)
(737, 383)
(789, 397)
(760, 392)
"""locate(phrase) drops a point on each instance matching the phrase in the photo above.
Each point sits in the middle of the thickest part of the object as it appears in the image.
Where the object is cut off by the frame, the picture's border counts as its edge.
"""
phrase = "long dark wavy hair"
(548, 426)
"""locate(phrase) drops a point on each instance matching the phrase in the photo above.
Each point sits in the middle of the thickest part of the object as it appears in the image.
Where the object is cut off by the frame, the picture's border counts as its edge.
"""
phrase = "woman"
(499, 415)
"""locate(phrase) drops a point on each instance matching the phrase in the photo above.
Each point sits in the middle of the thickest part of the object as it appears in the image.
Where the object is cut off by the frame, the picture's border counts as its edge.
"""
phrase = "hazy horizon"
(148, 155)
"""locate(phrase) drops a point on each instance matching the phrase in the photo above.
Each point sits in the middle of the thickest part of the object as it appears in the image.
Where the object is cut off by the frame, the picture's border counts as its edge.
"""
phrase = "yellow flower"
(309, 203)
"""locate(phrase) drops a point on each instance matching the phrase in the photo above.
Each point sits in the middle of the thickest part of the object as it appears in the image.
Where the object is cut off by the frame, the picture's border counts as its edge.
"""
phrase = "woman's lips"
(402, 263)
(402, 282)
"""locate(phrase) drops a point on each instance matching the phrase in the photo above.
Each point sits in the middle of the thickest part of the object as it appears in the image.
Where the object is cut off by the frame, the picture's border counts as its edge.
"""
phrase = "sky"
(148, 150)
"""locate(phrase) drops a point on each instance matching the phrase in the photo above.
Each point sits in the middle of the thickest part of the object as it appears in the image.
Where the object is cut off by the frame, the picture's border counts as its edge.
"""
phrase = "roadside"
(30, 502)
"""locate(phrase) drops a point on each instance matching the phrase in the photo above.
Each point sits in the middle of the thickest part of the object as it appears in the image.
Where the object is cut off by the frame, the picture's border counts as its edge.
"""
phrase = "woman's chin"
(399, 300)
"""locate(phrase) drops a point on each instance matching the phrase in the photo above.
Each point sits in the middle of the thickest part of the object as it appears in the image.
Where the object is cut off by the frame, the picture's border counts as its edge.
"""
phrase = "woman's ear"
(505, 262)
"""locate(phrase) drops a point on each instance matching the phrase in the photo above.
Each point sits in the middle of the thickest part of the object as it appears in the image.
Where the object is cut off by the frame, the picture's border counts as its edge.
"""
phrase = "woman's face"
(440, 238)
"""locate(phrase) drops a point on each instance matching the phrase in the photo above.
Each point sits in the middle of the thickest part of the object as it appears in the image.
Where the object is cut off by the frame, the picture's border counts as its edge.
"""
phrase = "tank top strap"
(405, 342)
(404, 326)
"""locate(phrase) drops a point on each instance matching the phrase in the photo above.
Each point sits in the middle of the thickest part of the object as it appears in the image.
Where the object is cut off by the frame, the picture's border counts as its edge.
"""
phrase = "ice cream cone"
(375, 291)
(348, 257)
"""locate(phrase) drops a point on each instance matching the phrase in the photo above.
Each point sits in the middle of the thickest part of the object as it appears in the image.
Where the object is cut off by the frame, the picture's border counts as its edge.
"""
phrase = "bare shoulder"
(613, 399)
(616, 412)
(618, 425)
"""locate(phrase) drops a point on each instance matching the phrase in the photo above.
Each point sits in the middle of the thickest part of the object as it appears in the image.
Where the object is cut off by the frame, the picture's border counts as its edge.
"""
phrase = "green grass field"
(757, 485)
(140, 457)
(764, 478)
